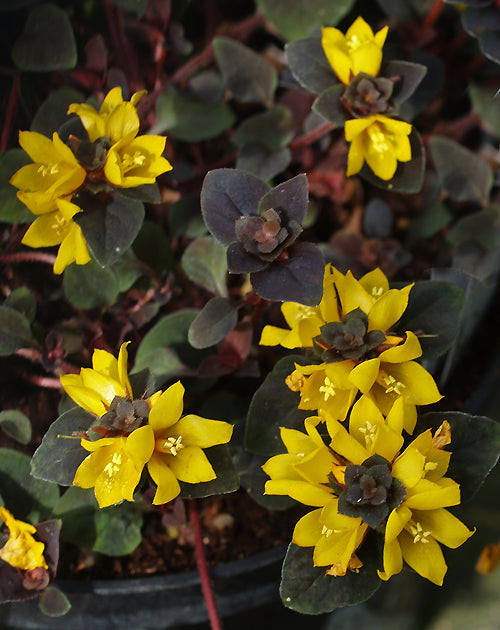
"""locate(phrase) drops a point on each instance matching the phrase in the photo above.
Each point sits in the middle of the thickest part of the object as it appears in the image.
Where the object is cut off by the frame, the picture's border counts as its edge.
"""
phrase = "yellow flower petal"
(307, 530)
(167, 409)
(425, 558)
(191, 465)
(83, 396)
(197, 431)
(364, 375)
(444, 527)
(387, 310)
(429, 495)
(407, 351)
(167, 485)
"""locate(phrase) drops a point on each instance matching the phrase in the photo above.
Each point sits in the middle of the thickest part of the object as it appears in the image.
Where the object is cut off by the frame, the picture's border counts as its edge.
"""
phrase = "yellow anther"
(172, 445)
(113, 466)
(377, 291)
(304, 312)
(295, 381)
(327, 389)
(392, 385)
(353, 43)
(48, 169)
(325, 531)
(370, 432)
(130, 161)
(418, 533)
(379, 141)
(430, 466)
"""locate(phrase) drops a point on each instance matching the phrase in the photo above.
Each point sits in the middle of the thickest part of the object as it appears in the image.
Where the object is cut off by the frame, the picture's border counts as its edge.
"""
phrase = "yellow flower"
(131, 161)
(94, 389)
(58, 228)
(359, 50)
(21, 550)
(379, 140)
(114, 466)
(55, 173)
(415, 528)
(301, 472)
(179, 442)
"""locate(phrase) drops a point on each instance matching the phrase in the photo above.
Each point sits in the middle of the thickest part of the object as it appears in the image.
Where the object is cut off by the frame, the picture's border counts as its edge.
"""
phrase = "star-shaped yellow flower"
(415, 528)
(359, 50)
(179, 442)
(21, 550)
(132, 160)
(58, 228)
(380, 141)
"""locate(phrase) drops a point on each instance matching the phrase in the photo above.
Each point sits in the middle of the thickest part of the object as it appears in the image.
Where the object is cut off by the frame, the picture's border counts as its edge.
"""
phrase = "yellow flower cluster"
(47, 186)
(377, 139)
(170, 444)
(360, 478)
(21, 550)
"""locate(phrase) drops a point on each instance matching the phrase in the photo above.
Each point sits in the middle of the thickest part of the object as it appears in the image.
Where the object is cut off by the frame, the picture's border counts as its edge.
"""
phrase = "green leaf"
(135, 6)
(274, 405)
(434, 312)
(114, 531)
(11, 209)
(165, 349)
(28, 498)
(486, 105)
(184, 218)
(227, 479)
(204, 262)
(153, 247)
(90, 285)
(409, 76)
(306, 589)
(256, 158)
(296, 19)
(249, 77)
(15, 332)
(409, 176)
(22, 301)
(189, 119)
(329, 106)
(475, 447)
(14, 5)
(53, 602)
(273, 128)
(53, 112)
(109, 229)
(464, 175)
(217, 319)
(309, 65)
(47, 42)
(60, 453)
(16, 425)
(126, 270)
(431, 220)
(149, 193)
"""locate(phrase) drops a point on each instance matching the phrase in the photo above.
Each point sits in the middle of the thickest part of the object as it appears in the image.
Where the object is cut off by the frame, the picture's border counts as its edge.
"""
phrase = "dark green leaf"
(135, 6)
(257, 159)
(14, 5)
(298, 278)
(329, 106)
(16, 425)
(296, 19)
(485, 104)
(47, 42)
(109, 229)
(464, 175)
(90, 285)
(377, 220)
(208, 86)
(60, 453)
(52, 113)
(15, 332)
(114, 531)
(410, 75)
(274, 405)
(400, 11)
(431, 220)
(482, 227)
(228, 194)
(11, 209)
(184, 218)
(434, 312)
(428, 89)
(291, 195)
(126, 270)
(217, 319)
(165, 349)
(53, 602)
(409, 176)
(189, 119)
(253, 479)
(227, 478)
(273, 128)
(153, 247)
(28, 498)
(306, 589)
(149, 193)
(475, 447)
(22, 301)
(204, 262)
(309, 65)
(245, 73)
(489, 42)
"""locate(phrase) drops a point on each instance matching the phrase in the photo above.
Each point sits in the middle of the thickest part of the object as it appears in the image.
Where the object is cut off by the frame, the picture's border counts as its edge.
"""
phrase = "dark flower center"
(125, 415)
(367, 95)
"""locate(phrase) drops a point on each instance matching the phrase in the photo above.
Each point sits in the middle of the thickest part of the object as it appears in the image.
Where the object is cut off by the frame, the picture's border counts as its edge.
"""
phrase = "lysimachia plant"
(280, 305)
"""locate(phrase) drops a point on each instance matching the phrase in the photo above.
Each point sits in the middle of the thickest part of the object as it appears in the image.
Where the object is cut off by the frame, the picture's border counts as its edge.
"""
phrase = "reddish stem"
(308, 138)
(9, 115)
(201, 563)
(123, 51)
(42, 257)
(433, 14)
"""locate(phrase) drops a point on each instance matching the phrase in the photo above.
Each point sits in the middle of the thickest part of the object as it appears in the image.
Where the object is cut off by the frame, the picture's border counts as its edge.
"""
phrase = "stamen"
(327, 388)
(48, 169)
(130, 161)
(377, 291)
(113, 466)
(370, 433)
(325, 531)
(172, 445)
(418, 533)
(353, 43)
(392, 385)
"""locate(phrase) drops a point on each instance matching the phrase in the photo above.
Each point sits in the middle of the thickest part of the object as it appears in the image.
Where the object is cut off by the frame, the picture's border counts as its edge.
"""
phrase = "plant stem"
(433, 14)
(312, 136)
(9, 115)
(201, 563)
(42, 257)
